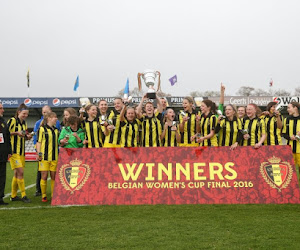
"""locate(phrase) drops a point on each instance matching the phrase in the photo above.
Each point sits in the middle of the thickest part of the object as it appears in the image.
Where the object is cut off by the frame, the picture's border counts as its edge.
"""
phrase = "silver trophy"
(198, 136)
(103, 119)
(84, 101)
(67, 137)
(149, 76)
(183, 114)
(279, 108)
(174, 124)
(110, 122)
(297, 138)
(82, 109)
(220, 114)
(32, 133)
(127, 99)
(23, 132)
(245, 132)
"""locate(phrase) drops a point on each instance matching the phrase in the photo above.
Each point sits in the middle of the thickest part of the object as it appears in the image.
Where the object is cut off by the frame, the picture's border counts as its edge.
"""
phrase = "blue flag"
(126, 90)
(76, 85)
(173, 80)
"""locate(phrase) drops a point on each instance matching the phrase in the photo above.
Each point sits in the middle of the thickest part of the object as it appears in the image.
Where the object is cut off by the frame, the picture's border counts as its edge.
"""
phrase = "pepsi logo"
(56, 102)
(27, 102)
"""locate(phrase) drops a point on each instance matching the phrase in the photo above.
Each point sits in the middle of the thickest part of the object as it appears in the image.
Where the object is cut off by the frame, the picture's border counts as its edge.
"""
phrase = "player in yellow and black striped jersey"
(130, 127)
(113, 139)
(273, 121)
(92, 127)
(18, 130)
(103, 114)
(188, 123)
(47, 149)
(208, 123)
(253, 128)
(291, 130)
(151, 123)
(170, 135)
(229, 128)
(241, 112)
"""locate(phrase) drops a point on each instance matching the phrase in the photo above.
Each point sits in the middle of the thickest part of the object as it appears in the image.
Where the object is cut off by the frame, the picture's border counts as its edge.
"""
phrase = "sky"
(237, 42)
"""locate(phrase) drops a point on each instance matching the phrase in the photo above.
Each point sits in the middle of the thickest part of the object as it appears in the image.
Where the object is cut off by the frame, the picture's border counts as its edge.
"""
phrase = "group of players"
(146, 126)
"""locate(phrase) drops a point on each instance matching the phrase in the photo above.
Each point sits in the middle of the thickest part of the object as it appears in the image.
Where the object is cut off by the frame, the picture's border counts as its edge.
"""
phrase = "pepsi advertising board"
(40, 102)
(64, 102)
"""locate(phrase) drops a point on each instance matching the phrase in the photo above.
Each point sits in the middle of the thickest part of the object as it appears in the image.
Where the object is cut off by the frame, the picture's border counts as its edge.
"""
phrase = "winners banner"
(197, 175)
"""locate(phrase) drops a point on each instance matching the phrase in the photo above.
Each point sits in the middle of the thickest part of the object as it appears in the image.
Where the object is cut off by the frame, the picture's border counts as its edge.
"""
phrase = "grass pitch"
(38, 225)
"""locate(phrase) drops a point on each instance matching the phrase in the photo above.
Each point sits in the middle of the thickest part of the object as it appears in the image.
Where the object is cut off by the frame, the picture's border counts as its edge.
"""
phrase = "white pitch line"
(37, 207)
(30, 186)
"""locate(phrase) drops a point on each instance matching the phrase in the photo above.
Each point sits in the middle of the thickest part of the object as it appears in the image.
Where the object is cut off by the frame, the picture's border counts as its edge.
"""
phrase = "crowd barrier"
(199, 175)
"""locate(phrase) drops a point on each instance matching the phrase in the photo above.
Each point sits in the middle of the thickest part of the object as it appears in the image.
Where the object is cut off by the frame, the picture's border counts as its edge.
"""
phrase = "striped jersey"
(207, 124)
(170, 138)
(229, 131)
(256, 128)
(17, 142)
(48, 137)
(93, 133)
(151, 130)
(114, 137)
(291, 126)
(130, 133)
(190, 127)
(273, 133)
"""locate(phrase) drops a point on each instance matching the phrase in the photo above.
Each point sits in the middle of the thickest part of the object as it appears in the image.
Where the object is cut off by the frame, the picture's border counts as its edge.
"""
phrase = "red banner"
(200, 175)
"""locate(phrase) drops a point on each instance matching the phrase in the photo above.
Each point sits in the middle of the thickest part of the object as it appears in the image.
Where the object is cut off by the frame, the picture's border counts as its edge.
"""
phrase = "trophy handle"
(139, 81)
(158, 85)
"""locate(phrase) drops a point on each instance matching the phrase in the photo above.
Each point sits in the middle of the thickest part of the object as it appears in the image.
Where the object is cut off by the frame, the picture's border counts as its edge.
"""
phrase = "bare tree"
(208, 93)
(135, 92)
(245, 91)
(297, 91)
(162, 94)
(211, 93)
(281, 92)
(195, 94)
(261, 92)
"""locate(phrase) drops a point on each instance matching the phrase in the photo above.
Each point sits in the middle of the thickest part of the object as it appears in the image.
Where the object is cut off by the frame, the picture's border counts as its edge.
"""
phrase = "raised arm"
(140, 107)
(222, 94)
(159, 105)
(122, 114)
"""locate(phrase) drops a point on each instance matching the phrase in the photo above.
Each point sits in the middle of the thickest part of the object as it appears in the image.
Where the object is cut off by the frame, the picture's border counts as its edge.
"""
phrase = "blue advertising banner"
(40, 102)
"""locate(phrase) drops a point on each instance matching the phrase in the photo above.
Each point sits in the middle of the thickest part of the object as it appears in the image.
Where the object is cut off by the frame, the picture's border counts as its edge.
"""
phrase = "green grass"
(147, 227)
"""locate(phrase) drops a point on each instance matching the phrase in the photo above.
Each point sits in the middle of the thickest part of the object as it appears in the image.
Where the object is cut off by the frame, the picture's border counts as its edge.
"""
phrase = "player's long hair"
(296, 104)
(72, 112)
(270, 105)
(46, 118)
(20, 109)
(234, 109)
(257, 109)
(210, 104)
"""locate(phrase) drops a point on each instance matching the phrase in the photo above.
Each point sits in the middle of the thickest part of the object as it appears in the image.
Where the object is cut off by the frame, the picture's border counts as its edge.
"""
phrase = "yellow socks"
(14, 187)
(21, 185)
(44, 188)
(52, 187)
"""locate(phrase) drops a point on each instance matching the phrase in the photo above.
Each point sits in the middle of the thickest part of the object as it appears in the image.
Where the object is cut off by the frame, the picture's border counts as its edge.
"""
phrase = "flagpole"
(28, 83)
